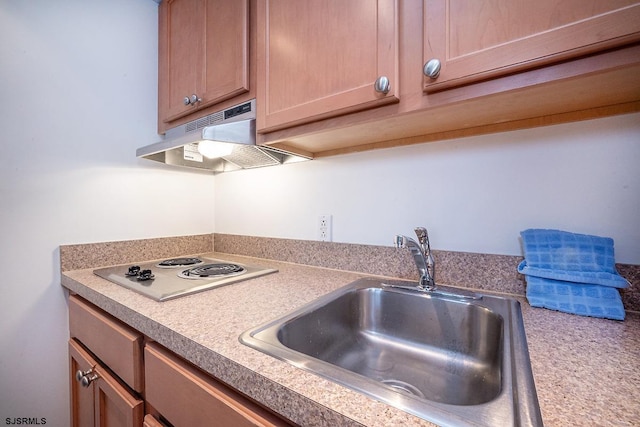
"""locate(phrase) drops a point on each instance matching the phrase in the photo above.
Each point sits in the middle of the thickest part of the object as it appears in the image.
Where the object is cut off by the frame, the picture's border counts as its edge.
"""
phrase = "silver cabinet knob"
(85, 378)
(88, 379)
(432, 68)
(188, 100)
(382, 84)
(81, 374)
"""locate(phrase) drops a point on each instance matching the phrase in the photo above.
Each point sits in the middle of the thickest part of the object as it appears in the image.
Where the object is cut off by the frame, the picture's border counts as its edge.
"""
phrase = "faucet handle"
(423, 237)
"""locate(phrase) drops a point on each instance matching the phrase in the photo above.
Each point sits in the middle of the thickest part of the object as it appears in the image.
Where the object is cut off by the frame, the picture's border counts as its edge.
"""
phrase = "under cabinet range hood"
(220, 142)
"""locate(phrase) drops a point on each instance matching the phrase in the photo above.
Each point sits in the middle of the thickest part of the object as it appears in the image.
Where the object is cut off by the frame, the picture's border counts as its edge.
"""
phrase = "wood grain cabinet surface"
(151, 421)
(489, 38)
(203, 51)
(322, 58)
(105, 402)
(130, 376)
(504, 65)
(312, 67)
(114, 343)
(185, 396)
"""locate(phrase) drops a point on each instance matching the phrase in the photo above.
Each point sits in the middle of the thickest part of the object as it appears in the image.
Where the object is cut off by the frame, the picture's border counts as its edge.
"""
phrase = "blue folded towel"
(590, 277)
(561, 255)
(568, 297)
(573, 273)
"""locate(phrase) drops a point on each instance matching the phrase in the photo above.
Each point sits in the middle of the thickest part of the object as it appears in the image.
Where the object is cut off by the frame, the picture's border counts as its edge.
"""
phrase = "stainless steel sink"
(451, 359)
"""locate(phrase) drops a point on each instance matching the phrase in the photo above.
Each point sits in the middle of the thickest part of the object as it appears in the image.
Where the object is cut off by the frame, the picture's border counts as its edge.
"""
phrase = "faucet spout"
(422, 257)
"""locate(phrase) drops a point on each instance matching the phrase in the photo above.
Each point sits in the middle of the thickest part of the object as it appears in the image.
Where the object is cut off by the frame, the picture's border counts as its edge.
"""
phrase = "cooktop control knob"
(133, 271)
(145, 275)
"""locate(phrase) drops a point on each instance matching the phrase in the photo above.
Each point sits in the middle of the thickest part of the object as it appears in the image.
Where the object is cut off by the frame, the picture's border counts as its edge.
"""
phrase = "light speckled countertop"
(586, 370)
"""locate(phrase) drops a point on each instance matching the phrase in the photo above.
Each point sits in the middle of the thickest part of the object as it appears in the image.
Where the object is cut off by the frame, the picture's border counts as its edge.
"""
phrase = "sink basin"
(441, 350)
(451, 359)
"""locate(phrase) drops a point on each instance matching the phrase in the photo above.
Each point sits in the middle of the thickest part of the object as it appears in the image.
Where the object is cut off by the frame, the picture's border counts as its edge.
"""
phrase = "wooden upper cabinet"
(203, 51)
(321, 58)
(483, 39)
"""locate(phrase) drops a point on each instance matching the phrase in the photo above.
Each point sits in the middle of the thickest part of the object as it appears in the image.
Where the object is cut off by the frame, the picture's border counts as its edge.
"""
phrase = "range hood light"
(214, 149)
(221, 141)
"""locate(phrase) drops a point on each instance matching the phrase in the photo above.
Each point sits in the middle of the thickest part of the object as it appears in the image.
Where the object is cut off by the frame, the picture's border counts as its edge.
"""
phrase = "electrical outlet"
(325, 228)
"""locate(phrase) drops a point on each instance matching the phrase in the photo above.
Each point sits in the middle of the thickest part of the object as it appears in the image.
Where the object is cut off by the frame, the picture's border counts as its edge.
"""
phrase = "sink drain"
(403, 387)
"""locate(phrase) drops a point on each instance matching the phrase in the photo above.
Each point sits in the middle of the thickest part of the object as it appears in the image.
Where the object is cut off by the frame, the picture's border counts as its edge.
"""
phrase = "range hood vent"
(234, 127)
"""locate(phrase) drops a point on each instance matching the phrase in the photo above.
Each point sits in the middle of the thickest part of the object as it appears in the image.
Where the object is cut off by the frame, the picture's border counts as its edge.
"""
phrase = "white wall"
(78, 91)
(474, 194)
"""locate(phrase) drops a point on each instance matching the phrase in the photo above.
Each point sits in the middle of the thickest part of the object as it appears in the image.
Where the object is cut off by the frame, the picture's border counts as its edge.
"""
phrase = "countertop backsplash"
(487, 272)
(94, 255)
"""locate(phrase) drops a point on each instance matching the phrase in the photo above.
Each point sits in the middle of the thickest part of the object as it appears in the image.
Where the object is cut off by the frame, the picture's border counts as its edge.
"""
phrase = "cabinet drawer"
(185, 396)
(114, 343)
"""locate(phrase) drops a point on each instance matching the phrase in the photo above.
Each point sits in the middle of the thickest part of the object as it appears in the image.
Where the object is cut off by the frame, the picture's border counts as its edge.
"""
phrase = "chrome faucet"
(422, 256)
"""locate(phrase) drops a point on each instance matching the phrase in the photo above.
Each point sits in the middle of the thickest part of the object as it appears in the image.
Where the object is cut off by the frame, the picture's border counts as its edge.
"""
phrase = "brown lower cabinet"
(185, 396)
(103, 401)
(144, 384)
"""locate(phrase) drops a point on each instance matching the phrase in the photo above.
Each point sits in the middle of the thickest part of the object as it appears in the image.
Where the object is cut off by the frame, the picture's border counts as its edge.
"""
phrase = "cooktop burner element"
(212, 270)
(179, 262)
(164, 280)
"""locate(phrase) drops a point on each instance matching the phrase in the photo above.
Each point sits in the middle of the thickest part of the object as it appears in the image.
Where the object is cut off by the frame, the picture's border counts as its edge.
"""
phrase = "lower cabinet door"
(186, 396)
(115, 406)
(82, 401)
(105, 402)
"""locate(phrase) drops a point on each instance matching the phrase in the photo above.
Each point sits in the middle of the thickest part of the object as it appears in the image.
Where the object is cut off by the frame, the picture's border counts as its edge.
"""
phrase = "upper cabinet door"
(322, 58)
(477, 40)
(203, 54)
